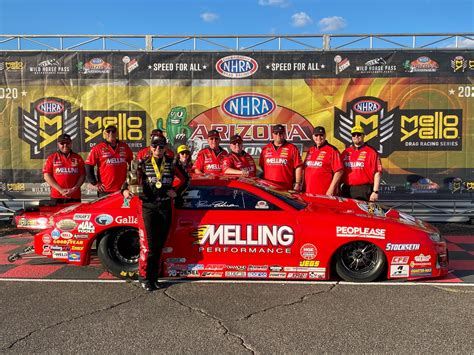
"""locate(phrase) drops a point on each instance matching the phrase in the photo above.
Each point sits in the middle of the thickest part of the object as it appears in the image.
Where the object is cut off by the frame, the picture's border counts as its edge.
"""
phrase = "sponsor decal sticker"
(400, 260)
(74, 256)
(55, 234)
(309, 263)
(257, 274)
(66, 235)
(82, 216)
(46, 238)
(399, 270)
(126, 220)
(297, 275)
(104, 219)
(66, 225)
(362, 232)
(235, 274)
(60, 254)
(402, 247)
(277, 275)
(308, 251)
(422, 271)
(86, 227)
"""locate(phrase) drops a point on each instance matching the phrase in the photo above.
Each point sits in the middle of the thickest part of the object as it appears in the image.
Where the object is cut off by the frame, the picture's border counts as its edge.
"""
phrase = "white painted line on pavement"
(383, 283)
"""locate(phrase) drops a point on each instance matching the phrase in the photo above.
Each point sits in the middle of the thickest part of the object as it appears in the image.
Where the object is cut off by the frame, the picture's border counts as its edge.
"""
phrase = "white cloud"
(332, 23)
(300, 19)
(463, 43)
(280, 3)
(209, 16)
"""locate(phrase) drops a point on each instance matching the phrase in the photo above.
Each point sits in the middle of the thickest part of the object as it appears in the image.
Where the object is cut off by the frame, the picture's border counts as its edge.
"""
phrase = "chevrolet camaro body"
(245, 228)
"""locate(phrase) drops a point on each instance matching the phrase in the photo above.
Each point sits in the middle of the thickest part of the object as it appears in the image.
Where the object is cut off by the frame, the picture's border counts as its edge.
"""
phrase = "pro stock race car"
(246, 228)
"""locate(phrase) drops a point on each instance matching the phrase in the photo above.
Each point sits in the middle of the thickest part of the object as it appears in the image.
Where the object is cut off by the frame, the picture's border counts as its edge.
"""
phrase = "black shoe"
(159, 285)
(147, 286)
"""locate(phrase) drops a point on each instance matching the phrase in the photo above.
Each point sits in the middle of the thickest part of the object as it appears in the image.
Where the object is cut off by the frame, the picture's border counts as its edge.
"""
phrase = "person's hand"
(245, 172)
(373, 197)
(171, 193)
(297, 186)
(63, 192)
(330, 192)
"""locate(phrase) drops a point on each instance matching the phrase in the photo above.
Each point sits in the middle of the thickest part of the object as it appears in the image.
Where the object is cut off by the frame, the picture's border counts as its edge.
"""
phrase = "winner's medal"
(158, 171)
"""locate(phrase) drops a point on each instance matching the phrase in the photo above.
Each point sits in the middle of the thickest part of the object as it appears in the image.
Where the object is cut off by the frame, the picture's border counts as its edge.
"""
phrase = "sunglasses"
(235, 143)
(154, 146)
(319, 135)
(356, 134)
(214, 138)
(279, 133)
(184, 153)
(64, 143)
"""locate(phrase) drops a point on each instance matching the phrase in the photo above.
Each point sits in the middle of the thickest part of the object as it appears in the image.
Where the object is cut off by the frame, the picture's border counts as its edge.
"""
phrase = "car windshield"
(287, 197)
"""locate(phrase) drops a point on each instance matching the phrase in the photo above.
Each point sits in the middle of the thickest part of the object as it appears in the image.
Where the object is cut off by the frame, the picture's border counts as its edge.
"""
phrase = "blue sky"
(231, 17)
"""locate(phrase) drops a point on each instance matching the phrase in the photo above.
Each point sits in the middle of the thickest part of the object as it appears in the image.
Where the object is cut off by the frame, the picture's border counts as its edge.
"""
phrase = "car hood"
(342, 205)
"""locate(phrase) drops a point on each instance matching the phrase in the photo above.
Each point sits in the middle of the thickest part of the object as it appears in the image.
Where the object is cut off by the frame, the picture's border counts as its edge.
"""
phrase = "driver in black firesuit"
(155, 175)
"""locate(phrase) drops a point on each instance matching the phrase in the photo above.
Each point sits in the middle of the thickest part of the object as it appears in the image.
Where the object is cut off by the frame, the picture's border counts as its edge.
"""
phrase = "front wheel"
(119, 251)
(360, 261)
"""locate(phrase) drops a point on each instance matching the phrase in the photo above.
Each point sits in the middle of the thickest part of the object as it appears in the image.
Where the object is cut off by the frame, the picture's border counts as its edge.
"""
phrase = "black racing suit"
(156, 212)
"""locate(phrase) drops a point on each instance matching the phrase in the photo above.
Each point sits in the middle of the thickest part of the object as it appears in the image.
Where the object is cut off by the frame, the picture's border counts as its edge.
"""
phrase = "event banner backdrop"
(417, 108)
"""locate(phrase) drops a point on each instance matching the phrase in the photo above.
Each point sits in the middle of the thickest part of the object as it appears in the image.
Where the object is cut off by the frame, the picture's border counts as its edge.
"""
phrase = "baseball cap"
(159, 141)
(279, 128)
(213, 133)
(64, 138)
(183, 148)
(156, 132)
(236, 138)
(319, 130)
(110, 127)
(357, 129)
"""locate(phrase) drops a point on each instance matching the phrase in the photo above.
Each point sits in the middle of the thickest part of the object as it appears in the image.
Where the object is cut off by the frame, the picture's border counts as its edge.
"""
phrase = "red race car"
(246, 228)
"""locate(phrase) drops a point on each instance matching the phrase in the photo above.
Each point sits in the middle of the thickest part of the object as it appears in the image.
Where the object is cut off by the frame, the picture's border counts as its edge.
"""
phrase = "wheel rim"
(359, 257)
(126, 247)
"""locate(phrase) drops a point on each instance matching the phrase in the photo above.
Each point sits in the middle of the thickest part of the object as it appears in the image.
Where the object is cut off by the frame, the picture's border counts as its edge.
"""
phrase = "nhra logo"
(248, 106)
(370, 113)
(47, 119)
(236, 66)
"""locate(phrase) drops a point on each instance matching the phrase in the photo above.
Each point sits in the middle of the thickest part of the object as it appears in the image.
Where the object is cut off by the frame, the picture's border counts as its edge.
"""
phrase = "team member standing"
(281, 162)
(209, 160)
(146, 152)
(64, 172)
(362, 169)
(183, 158)
(323, 166)
(111, 158)
(156, 174)
(238, 162)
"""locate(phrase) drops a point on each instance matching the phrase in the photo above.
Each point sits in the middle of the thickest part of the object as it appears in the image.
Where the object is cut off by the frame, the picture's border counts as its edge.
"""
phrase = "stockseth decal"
(236, 66)
(402, 247)
(361, 232)
(248, 106)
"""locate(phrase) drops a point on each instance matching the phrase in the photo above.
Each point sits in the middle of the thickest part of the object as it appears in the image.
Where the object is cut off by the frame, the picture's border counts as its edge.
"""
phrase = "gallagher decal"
(236, 66)
(248, 106)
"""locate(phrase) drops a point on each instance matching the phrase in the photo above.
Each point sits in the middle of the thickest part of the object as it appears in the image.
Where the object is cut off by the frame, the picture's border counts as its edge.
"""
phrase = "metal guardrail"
(301, 42)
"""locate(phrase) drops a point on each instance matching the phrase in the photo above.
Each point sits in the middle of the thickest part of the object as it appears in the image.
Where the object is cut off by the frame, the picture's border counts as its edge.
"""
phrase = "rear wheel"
(119, 251)
(360, 261)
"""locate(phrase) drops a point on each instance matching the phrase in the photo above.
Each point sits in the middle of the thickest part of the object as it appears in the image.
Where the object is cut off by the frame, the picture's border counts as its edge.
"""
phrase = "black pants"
(157, 220)
(358, 192)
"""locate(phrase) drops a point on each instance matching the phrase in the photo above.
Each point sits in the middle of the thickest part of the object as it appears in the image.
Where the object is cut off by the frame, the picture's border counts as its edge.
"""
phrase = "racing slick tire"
(360, 261)
(119, 251)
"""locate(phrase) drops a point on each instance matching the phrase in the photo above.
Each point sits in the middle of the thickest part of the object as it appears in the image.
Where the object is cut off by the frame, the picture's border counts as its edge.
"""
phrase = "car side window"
(222, 198)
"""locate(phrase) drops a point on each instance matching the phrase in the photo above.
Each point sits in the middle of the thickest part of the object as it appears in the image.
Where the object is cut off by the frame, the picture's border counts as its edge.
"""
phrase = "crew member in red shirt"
(145, 153)
(64, 172)
(112, 158)
(362, 169)
(323, 166)
(238, 162)
(209, 160)
(281, 161)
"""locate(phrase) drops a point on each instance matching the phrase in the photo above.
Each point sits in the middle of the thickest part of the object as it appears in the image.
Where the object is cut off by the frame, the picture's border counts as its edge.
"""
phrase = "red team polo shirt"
(112, 164)
(319, 168)
(240, 161)
(66, 170)
(360, 165)
(208, 162)
(279, 164)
